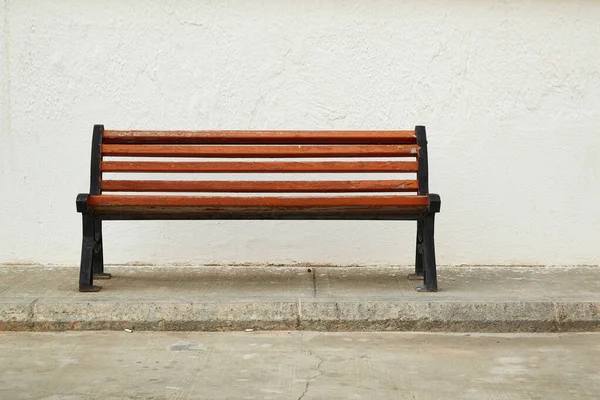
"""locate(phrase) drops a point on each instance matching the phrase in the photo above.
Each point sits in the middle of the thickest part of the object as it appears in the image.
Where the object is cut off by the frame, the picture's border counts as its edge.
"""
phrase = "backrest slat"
(261, 166)
(261, 186)
(258, 137)
(259, 151)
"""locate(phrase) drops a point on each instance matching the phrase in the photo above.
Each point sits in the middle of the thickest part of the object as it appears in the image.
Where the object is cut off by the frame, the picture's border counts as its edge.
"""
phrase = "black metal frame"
(92, 259)
(425, 264)
(92, 254)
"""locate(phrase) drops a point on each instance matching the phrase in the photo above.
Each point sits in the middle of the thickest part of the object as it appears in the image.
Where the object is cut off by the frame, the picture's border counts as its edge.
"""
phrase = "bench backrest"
(259, 152)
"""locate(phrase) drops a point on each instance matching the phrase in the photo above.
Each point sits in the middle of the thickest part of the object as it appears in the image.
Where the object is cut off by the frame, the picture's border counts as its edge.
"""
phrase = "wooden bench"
(362, 153)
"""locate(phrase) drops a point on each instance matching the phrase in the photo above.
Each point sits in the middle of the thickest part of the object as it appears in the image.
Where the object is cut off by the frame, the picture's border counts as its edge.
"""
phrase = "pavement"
(298, 365)
(312, 298)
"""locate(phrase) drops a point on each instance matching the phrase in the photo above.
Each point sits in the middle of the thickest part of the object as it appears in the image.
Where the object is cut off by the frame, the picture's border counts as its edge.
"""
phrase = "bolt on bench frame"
(273, 145)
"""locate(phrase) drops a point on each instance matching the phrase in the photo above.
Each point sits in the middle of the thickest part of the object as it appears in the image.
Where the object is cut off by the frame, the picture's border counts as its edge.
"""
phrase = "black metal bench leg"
(418, 275)
(428, 246)
(86, 278)
(98, 259)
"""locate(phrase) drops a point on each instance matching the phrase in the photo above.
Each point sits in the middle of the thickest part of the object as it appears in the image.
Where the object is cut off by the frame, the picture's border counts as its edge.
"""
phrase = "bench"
(400, 153)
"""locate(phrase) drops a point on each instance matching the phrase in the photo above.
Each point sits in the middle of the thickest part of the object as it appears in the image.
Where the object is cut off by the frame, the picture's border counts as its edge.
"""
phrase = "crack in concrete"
(314, 282)
(319, 373)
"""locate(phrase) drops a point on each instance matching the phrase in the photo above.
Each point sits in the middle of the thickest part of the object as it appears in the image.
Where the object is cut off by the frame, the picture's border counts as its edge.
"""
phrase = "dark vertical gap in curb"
(314, 281)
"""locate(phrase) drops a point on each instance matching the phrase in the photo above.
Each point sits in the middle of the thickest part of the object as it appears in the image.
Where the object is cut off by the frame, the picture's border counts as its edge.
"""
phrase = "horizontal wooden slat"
(256, 213)
(267, 166)
(271, 136)
(255, 201)
(260, 186)
(129, 150)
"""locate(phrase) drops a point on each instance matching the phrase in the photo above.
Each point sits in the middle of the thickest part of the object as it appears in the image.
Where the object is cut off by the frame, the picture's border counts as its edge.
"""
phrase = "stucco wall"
(509, 92)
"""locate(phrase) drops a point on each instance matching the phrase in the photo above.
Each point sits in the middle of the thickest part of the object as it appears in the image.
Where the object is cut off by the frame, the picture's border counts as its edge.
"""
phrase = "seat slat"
(260, 186)
(271, 136)
(248, 151)
(257, 166)
(312, 213)
(256, 201)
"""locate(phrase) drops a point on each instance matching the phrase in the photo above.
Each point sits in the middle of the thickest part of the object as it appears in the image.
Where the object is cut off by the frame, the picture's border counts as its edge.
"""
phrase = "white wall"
(509, 91)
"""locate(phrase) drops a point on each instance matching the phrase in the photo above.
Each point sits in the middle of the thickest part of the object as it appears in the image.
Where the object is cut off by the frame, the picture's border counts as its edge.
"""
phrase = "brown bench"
(404, 153)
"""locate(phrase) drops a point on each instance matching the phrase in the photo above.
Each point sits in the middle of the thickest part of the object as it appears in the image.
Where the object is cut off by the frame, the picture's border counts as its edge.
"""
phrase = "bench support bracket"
(427, 256)
(88, 254)
(98, 259)
(418, 275)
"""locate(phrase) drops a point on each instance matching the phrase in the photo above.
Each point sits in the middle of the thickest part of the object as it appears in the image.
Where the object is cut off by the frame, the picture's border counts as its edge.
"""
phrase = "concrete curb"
(316, 316)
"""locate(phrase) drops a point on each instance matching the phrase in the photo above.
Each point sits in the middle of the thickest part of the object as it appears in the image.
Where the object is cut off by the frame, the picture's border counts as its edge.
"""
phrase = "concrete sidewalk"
(208, 298)
(299, 365)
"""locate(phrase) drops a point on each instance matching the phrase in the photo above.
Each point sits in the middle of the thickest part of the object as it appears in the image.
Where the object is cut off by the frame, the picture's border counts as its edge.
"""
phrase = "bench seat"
(211, 207)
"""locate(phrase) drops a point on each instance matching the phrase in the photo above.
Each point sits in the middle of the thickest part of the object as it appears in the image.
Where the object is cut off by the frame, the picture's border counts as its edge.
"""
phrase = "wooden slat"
(129, 150)
(286, 166)
(289, 137)
(255, 201)
(260, 186)
(313, 213)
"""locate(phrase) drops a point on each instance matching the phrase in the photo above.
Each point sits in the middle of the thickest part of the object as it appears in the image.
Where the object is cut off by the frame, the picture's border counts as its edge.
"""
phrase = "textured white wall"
(509, 91)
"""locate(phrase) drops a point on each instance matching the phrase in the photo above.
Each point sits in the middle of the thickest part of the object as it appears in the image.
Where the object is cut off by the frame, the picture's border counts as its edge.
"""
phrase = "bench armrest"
(435, 203)
(82, 202)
